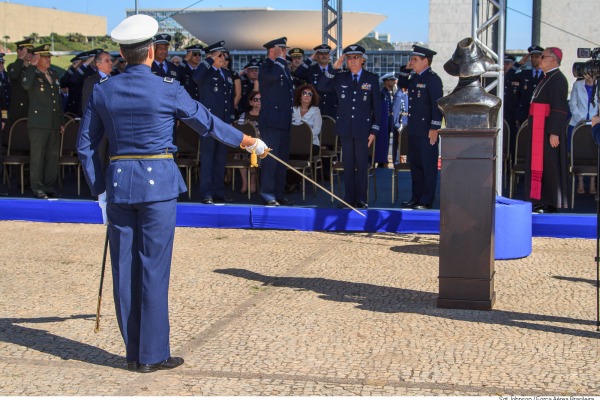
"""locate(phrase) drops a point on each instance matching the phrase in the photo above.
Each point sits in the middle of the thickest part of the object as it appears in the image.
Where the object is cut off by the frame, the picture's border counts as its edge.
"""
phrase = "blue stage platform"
(316, 213)
(288, 218)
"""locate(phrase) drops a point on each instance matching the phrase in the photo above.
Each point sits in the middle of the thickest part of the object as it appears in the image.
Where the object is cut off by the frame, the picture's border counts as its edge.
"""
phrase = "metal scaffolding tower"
(332, 24)
(488, 29)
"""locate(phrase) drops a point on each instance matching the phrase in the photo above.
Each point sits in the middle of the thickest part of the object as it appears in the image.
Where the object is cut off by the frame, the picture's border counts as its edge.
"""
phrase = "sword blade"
(314, 183)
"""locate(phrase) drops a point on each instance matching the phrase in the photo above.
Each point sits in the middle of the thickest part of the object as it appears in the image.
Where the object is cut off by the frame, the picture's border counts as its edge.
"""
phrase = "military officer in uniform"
(382, 146)
(248, 76)
(103, 71)
(72, 81)
(275, 119)
(189, 64)
(163, 67)
(512, 99)
(4, 81)
(311, 71)
(4, 115)
(215, 86)
(357, 119)
(141, 184)
(424, 121)
(18, 107)
(44, 122)
(528, 79)
(296, 55)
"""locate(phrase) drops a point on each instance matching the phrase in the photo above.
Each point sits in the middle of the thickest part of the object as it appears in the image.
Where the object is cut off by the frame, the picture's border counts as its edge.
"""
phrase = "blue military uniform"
(382, 146)
(528, 81)
(424, 90)
(358, 116)
(275, 119)
(247, 86)
(4, 84)
(216, 92)
(311, 72)
(165, 69)
(512, 100)
(142, 183)
(187, 73)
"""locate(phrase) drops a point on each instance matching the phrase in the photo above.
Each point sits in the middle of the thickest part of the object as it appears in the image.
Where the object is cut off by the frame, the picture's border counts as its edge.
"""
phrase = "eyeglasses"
(549, 55)
(309, 94)
(256, 99)
(195, 53)
(227, 58)
(353, 57)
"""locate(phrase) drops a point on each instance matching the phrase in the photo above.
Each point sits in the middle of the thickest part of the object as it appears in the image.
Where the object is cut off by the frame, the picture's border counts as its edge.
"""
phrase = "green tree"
(178, 40)
(373, 44)
(35, 37)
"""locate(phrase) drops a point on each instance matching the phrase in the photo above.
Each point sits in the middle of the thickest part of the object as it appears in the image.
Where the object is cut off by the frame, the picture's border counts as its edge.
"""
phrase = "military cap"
(281, 42)
(322, 48)
(74, 59)
(296, 51)
(219, 46)
(389, 75)
(354, 49)
(2, 57)
(535, 49)
(27, 42)
(162, 38)
(195, 48)
(95, 52)
(403, 77)
(252, 64)
(82, 56)
(43, 50)
(135, 30)
(469, 60)
(509, 58)
(288, 58)
(422, 51)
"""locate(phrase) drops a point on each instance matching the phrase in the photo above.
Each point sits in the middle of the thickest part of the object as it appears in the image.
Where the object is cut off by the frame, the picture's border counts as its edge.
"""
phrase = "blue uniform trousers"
(355, 155)
(213, 156)
(423, 159)
(141, 245)
(272, 173)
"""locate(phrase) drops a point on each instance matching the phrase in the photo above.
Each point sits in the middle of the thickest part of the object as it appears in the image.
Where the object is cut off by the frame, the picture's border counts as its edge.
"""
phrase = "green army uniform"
(19, 99)
(44, 120)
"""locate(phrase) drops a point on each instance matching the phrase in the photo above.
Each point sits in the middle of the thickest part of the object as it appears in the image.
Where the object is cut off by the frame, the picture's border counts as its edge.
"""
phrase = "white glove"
(102, 204)
(259, 147)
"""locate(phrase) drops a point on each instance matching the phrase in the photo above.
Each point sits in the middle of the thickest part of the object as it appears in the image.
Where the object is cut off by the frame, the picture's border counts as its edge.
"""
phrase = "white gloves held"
(259, 148)
(102, 204)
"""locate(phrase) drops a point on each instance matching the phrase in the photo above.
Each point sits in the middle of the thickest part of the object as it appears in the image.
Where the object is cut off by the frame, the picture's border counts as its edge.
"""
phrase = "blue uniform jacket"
(134, 127)
(277, 94)
(359, 109)
(215, 90)
(527, 85)
(311, 72)
(187, 80)
(173, 71)
(424, 90)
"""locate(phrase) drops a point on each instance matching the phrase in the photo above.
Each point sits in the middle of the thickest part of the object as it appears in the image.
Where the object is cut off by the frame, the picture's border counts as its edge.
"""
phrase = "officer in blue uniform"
(72, 81)
(4, 82)
(528, 78)
(248, 76)
(386, 126)
(215, 86)
(141, 184)
(275, 119)
(161, 66)
(512, 98)
(357, 119)
(187, 67)
(424, 121)
(311, 71)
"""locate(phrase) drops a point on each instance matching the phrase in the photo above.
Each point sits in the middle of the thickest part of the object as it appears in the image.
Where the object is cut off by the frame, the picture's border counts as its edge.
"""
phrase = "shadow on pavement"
(398, 300)
(57, 346)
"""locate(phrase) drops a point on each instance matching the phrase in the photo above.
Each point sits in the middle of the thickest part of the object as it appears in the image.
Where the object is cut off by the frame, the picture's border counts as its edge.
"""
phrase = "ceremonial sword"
(312, 181)
(97, 327)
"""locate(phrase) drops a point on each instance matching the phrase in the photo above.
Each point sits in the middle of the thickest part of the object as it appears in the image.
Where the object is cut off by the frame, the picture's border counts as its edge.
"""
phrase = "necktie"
(162, 67)
(355, 79)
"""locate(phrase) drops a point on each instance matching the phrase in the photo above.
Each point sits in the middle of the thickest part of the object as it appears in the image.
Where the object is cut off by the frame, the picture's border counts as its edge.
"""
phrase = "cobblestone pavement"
(298, 313)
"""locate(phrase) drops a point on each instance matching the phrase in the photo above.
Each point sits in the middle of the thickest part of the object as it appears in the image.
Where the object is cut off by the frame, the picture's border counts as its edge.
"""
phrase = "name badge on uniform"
(366, 86)
(421, 85)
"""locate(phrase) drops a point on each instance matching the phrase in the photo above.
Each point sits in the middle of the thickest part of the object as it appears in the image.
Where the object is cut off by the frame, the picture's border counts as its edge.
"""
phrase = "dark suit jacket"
(88, 88)
(277, 93)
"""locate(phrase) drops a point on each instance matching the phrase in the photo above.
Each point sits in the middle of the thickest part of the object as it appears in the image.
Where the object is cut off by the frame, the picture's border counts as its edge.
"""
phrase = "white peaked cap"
(135, 29)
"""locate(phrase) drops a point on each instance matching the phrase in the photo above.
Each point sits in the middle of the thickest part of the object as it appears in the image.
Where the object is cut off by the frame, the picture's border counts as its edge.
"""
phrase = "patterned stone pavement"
(298, 313)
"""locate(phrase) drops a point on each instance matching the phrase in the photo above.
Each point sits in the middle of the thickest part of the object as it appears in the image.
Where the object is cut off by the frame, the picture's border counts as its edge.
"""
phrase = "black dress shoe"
(409, 204)
(545, 210)
(41, 195)
(361, 204)
(207, 200)
(223, 199)
(422, 207)
(341, 205)
(272, 203)
(133, 365)
(54, 195)
(169, 363)
(285, 201)
(537, 207)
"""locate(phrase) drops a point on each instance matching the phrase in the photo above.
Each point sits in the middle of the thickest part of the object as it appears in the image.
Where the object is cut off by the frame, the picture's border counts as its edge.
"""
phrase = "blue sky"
(407, 20)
